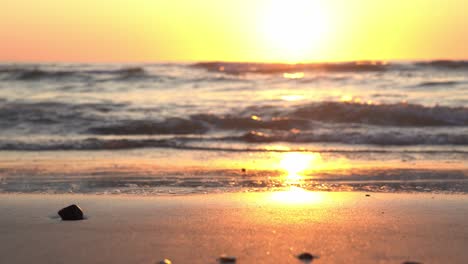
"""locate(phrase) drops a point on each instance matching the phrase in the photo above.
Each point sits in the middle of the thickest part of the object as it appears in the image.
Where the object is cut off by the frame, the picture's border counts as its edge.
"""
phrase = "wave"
(445, 64)
(146, 127)
(266, 68)
(36, 74)
(374, 138)
(352, 66)
(86, 144)
(49, 117)
(33, 72)
(196, 124)
(440, 83)
(383, 114)
(122, 71)
(231, 143)
(300, 118)
(30, 73)
(113, 119)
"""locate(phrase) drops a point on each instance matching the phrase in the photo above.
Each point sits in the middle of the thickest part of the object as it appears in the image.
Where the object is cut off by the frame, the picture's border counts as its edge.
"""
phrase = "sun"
(294, 29)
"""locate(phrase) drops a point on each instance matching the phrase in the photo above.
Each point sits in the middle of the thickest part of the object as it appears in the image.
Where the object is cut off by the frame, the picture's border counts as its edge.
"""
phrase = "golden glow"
(352, 99)
(277, 148)
(296, 195)
(256, 118)
(346, 98)
(296, 162)
(292, 98)
(243, 30)
(299, 165)
(295, 75)
(295, 27)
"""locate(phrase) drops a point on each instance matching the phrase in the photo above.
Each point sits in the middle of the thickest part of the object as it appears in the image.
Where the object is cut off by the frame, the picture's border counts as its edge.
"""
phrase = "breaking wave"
(196, 124)
(300, 118)
(384, 114)
(338, 122)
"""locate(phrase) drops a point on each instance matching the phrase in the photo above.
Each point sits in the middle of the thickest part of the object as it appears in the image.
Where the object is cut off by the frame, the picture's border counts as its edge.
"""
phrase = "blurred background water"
(217, 127)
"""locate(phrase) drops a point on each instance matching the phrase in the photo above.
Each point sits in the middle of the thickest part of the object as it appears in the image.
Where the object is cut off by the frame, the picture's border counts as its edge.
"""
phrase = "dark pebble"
(244, 170)
(367, 195)
(165, 261)
(227, 260)
(71, 213)
(306, 257)
(411, 262)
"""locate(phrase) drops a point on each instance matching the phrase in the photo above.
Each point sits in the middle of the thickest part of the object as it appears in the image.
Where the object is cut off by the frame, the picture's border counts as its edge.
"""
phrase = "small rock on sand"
(306, 257)
(71, 213)
(165, 261)
(227, 259)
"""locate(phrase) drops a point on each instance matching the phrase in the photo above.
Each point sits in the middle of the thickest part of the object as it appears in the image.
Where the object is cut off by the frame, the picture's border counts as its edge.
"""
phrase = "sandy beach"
(267, 227)
(257, 132)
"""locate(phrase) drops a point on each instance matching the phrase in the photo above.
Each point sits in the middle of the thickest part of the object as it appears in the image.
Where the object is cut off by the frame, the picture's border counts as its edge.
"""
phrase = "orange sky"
(232, 30)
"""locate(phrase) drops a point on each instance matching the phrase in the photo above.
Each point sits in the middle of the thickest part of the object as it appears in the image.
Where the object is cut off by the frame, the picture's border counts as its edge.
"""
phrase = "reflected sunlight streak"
(292, 98)
(294, 75)
(294, 163)
(296, 195)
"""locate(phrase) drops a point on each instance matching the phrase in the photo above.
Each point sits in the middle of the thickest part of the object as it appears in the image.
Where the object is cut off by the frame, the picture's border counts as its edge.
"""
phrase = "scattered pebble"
(71, 213)
(226, 259)
(367, 195)
(306, 257)
(165, 261)
(411, 262)
(244, 170)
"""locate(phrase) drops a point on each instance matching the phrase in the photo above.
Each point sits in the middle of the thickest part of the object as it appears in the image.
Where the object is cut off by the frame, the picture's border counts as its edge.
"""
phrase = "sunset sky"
(232, 30)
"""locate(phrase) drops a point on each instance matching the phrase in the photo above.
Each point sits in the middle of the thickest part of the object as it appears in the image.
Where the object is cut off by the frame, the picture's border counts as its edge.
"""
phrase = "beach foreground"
(267, 227)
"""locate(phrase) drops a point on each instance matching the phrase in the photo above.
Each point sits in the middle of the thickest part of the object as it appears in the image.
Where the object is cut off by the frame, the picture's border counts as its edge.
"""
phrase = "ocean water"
(178, 128)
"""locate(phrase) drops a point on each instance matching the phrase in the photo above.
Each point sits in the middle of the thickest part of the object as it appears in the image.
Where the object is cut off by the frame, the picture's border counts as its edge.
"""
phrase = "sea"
(221, 127)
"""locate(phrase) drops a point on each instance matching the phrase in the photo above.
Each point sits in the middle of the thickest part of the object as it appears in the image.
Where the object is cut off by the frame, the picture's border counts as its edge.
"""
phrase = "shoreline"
(152, 171)
(340, 227)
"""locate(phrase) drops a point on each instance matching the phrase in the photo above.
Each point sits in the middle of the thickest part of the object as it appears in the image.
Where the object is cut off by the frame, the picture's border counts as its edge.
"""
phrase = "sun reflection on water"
(295, 163)
(292, 98)
(296, 195)
(294, 75)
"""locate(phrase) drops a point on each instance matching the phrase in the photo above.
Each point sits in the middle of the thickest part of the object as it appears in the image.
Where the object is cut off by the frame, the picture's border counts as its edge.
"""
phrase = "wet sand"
(340, 227)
